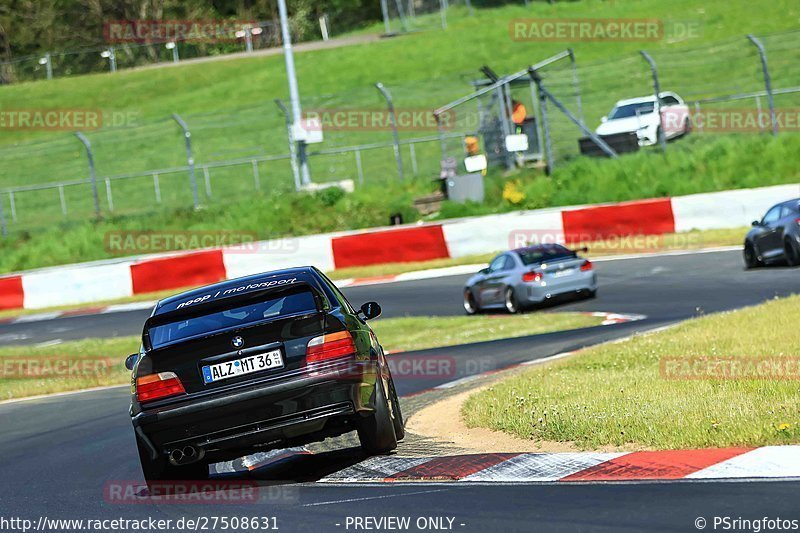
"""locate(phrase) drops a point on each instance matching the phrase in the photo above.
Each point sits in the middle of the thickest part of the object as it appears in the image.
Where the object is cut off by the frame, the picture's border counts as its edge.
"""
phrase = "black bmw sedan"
(267, 361)
(776, 237)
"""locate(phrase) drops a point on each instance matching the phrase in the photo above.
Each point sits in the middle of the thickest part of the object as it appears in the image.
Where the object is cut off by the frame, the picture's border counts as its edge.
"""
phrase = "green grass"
(417, 333)
(228, 105)
(618, 395)
(101, 361)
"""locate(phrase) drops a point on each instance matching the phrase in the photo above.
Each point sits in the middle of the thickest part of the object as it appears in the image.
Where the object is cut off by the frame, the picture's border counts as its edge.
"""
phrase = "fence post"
(577, 84)
(63, 200)
(358, 168)
(413, 153)
(49, 65)
(292, 145)
(207, 179)
(3, 227)
(767, 81)
(537, 113)
(697, 114)
(189, 158)
(109, 197)
(505, 118)
(13, 206)
(443, 10)
(256, 178)
(548, 146)
(758, 111)
(393, 115)
(157, 188)
(385, 12)
(92, 175)
(662, 140)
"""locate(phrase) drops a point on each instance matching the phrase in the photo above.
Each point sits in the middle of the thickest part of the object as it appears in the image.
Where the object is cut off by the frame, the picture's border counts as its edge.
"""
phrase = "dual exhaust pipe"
(185, 455)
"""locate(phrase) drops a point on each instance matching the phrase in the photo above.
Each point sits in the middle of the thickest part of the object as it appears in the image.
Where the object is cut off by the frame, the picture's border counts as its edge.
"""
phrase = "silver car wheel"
(511, 301)
(469, 303)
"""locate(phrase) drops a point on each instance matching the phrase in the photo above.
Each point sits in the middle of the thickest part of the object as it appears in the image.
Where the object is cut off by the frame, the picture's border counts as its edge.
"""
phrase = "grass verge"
(74, 365)
(632, 393)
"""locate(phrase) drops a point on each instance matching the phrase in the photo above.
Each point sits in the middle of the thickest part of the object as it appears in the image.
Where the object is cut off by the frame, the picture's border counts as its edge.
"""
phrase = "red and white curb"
(127, 276)
(615, 318)
(770, 462)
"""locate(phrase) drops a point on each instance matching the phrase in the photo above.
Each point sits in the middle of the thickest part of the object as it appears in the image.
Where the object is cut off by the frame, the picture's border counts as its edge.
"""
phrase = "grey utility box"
(465, 187)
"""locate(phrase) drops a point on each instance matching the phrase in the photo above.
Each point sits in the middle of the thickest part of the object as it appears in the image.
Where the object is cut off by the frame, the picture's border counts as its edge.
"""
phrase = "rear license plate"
(565, 272)
(246, 365)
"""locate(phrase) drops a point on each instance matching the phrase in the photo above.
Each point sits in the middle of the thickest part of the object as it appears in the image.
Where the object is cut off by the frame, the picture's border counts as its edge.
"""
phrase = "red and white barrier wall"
(104, 280)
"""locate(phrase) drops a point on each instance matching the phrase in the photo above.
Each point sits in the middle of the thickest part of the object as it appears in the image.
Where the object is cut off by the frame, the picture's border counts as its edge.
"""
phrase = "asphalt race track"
(58, 454)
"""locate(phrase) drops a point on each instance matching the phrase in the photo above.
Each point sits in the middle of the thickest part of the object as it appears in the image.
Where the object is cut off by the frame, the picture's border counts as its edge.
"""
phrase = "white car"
(638, 115)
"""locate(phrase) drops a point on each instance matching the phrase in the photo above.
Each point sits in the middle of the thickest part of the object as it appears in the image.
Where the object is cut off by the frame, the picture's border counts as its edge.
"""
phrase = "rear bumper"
(537, 292)
(295, 411)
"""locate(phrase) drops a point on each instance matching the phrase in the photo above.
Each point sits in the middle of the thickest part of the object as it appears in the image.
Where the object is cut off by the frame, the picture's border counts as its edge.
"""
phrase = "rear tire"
(791, 253)
(397, 415)
(470, 305)
(512, 305)
(160, 469)
(376, 431)
(750, 257)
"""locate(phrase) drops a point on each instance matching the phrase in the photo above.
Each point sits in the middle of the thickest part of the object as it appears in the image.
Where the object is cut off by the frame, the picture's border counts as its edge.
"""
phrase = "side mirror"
(604, 119)
(131, 360)
(755, 223)
(370, 310)
(483, 271)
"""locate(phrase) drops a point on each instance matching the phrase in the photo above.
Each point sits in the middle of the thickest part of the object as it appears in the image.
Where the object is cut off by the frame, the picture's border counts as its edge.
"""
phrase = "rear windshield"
(631, 110)
(538, 255)
(296, 302)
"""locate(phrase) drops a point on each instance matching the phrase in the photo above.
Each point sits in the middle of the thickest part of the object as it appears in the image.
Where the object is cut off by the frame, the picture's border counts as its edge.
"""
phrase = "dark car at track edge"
(776, 237)
(262, 362)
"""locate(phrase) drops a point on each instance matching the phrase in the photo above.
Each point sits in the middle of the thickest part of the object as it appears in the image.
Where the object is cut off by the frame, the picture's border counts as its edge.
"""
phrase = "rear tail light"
(532, 276)
(797, 221)
(586, 266)
(330, 346)
(158, 386)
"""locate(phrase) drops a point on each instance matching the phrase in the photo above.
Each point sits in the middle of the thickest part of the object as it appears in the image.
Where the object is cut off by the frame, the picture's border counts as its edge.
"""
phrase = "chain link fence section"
(119, 56)
(404, 16)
